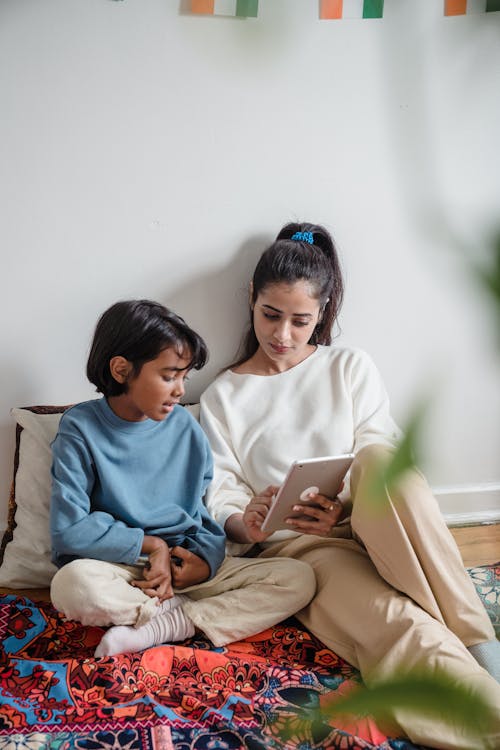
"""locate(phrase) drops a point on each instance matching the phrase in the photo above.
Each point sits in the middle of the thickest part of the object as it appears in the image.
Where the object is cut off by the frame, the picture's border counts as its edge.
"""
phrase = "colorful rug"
(255, 694)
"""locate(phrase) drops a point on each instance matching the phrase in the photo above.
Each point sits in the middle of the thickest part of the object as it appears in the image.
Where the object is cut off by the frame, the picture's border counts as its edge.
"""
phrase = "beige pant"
(246, 595)
(393, 595)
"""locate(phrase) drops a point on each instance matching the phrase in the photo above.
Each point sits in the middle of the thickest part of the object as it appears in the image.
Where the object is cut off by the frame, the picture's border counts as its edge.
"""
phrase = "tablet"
(319, 475)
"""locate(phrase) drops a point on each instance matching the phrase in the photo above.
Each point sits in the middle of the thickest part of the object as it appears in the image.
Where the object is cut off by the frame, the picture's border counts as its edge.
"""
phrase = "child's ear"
(120, 368)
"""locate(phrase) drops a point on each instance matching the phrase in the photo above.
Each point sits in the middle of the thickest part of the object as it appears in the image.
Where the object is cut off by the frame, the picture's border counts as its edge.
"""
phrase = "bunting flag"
(241, 8)
(466, 7)
(334, 9)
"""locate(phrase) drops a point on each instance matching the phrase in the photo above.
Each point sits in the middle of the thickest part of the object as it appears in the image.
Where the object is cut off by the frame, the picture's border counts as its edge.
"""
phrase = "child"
(128, 522)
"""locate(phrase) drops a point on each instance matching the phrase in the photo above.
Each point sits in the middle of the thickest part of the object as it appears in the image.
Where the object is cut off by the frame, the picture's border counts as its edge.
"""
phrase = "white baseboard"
(470, 504)
(472, 519)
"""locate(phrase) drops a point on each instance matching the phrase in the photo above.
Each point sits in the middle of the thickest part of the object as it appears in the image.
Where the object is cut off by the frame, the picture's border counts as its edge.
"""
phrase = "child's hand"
(157, 579)
(188, 569)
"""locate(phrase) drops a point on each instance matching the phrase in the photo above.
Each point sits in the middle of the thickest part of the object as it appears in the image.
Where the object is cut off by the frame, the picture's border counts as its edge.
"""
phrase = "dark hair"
(288, 261)
(138, 330)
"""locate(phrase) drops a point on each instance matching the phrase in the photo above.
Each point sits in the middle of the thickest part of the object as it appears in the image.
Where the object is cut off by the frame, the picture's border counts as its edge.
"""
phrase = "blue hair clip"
(303, 237)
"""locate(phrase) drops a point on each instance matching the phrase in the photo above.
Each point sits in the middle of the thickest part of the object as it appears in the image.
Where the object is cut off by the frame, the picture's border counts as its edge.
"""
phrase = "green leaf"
(432, 695)
(406, 456)
(488, 276)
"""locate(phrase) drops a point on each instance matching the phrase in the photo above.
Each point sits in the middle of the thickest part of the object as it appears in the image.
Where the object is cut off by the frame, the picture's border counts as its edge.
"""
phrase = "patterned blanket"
(255, 694)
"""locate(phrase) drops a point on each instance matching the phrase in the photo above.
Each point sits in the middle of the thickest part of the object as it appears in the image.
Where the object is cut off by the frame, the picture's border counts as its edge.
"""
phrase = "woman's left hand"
(323, 514)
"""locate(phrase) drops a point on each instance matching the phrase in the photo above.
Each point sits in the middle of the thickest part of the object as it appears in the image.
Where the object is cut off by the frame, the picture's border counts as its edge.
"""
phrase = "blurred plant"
(488, 277)
(429, 694)
(407, 456)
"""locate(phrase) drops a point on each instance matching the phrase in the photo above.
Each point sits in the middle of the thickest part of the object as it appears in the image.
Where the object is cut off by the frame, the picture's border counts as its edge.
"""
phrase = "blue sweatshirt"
(114, 481)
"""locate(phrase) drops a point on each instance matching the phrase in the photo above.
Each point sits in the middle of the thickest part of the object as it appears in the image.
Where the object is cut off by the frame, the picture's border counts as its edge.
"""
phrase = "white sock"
(169, 625)
(487, 654)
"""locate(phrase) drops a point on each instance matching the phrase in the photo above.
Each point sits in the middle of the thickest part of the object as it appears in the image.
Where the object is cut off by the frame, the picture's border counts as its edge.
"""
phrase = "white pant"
(246, 595)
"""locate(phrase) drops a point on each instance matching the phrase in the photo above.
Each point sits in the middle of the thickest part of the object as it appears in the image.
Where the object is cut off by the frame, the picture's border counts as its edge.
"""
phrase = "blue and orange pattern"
(254, 694)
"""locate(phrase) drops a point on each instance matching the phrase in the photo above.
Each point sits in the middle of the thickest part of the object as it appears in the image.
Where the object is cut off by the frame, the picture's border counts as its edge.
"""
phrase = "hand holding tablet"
(322, 476)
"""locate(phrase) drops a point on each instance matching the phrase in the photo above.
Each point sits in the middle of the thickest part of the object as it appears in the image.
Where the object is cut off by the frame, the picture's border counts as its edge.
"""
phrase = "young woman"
(392, 593)
(128, 522)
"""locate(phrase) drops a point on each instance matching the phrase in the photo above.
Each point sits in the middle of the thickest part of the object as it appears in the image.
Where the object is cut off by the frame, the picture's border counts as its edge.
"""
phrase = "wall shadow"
(215, 303)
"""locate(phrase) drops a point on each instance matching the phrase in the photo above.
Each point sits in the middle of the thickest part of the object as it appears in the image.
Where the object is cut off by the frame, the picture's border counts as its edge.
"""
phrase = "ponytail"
(325, 275)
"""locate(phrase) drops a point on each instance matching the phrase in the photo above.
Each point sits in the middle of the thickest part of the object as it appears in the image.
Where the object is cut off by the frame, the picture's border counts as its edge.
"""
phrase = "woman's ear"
(250, 296)
(120, 368)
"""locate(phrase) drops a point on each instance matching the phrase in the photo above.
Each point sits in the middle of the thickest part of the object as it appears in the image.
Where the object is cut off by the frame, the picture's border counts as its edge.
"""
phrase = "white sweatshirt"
(333, 402)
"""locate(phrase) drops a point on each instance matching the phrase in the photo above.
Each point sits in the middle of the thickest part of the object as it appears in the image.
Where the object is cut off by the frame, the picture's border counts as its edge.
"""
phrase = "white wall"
(146, 152)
